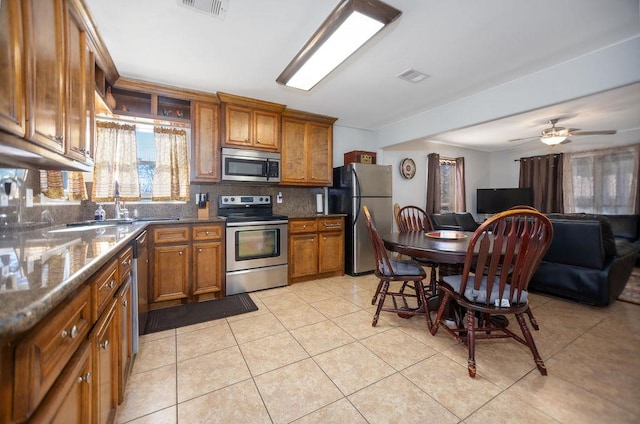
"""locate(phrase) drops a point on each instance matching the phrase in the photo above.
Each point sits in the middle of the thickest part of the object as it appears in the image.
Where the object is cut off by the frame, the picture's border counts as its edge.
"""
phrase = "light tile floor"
(310, 355)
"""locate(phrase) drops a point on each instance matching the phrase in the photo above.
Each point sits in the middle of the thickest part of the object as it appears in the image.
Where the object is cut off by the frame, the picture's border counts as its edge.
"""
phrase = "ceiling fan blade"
(594, 132)
(567, 141)
(523, 139)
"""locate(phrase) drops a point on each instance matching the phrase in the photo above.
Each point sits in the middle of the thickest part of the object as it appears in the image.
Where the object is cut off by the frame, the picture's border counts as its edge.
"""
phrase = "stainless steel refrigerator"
(354, 186)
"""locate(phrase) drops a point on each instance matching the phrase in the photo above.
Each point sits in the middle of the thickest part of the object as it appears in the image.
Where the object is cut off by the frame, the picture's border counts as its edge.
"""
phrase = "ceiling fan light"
(554, 140)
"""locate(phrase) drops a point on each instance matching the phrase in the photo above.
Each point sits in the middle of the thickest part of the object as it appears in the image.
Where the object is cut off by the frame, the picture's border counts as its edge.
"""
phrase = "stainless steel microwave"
(250, 165)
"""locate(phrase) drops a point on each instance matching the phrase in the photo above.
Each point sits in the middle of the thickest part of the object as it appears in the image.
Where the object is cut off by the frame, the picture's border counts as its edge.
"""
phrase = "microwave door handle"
(266, 171)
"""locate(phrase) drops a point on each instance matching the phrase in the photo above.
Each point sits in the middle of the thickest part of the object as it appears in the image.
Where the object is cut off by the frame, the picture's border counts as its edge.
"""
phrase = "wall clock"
(407, 168)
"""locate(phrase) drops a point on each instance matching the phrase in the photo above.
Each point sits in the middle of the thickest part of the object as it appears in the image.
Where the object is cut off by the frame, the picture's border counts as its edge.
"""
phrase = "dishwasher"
(140, 287)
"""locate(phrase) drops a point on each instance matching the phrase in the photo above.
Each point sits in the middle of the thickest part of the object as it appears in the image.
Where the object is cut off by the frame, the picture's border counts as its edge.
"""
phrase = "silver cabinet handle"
(72, 334)
(180, 253)
(199, 250)
(127, 262)
(111, 284)
(105, 344)
(85, 378)
(125, 303)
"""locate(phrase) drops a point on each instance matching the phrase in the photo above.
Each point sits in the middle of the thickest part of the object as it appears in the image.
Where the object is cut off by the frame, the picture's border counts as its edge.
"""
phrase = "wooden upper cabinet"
(12, 104)
(307, 149)
(249, 123)
(44, 27)
(320, 146)
(294, 152)
(205, 125)
(78, 71)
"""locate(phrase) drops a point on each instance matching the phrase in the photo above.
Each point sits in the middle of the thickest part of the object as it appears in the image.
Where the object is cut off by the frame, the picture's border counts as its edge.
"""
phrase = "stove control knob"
(225, 199)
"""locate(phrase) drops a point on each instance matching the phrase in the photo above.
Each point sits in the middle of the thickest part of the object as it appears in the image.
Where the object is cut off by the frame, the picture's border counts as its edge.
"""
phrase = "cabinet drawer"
(330, 224)
(43, 354)
(303, 226)
(125, 262)
(171, 234)
(206, 232)
(103, 287)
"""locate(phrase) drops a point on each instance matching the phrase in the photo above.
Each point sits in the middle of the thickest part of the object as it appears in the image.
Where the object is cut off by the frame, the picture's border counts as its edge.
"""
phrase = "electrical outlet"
(279, 197)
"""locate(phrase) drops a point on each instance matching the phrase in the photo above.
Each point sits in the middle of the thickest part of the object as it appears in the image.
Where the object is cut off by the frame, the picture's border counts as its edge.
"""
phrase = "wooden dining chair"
(388, 270)
(414, 218)
(532, 319)
(515, 240)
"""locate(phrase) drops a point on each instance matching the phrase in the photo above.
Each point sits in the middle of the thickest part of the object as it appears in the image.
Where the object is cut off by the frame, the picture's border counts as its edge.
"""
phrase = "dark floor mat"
(195, 313)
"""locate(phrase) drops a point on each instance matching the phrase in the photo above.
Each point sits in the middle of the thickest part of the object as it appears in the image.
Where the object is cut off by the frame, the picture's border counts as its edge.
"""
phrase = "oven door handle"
(252, 223)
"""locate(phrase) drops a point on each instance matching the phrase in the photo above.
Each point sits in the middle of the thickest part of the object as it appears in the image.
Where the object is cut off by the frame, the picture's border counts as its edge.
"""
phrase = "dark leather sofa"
(585, 261)
(462, 221)
(626, 227)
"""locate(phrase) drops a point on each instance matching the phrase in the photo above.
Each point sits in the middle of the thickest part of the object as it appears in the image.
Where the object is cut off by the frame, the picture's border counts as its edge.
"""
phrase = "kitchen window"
(155, 168)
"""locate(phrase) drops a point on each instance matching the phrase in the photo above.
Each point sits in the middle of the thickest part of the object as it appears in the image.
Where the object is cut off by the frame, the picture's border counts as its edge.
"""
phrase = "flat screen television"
(494, 200)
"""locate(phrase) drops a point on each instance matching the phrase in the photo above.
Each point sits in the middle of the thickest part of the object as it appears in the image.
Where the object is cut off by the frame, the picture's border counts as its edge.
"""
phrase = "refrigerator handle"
(356, 212)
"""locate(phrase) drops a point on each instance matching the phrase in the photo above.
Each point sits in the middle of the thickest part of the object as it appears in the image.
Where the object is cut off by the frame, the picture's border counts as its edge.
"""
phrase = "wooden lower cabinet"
(188, 262)
(170, 272)
(316, 248)
(125, 326)
(69, 401)
(105, 344)
(42, 355)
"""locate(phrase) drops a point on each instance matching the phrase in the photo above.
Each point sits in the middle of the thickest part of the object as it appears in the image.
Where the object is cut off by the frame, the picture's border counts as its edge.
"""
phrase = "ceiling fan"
(560, 135)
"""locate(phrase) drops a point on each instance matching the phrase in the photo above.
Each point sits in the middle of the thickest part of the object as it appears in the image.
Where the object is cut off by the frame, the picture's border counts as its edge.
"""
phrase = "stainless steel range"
(257, 243)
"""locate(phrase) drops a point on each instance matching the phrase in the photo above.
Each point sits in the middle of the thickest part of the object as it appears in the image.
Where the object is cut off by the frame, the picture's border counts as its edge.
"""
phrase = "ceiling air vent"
(412, 75)
(215, 8)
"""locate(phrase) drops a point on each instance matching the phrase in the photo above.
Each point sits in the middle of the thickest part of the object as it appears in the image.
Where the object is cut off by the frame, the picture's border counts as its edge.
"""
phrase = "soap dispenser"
(99, 214)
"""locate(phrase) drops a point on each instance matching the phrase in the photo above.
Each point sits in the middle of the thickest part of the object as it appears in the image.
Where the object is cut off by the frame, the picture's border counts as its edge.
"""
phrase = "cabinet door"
(208, 268)
(294, 152)
(45, 72)
(319, 153)
(237, 126)
(125, 336)
(303, 255)
(77, 75)
(12, 101)
(170, 272)
(206, 148)
(330, 251)
(266, 130)
(69, 400)
(104, 342)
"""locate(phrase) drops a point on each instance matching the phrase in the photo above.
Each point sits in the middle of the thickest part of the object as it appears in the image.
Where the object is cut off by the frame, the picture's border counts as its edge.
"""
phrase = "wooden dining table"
(448, 253)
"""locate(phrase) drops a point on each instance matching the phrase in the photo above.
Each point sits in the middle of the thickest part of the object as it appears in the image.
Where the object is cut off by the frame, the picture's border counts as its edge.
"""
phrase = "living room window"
(602, 181)
(447, 185)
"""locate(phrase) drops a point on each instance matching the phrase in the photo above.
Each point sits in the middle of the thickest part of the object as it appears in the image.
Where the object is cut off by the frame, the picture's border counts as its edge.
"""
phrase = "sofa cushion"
(606, 233)
(466, 222)
(577, 243)
(625, 226)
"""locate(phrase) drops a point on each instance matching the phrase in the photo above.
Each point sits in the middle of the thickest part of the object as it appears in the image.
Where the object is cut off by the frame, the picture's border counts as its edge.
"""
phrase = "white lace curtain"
(116, 159)
(602, 181)
(171, 179)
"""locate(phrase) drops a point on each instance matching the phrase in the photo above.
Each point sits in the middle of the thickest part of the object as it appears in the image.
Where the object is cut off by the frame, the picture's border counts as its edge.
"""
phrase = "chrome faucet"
(116, 196)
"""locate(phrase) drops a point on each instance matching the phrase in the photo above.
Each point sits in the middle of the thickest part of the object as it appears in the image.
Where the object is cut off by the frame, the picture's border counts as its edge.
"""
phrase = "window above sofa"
(602, 181)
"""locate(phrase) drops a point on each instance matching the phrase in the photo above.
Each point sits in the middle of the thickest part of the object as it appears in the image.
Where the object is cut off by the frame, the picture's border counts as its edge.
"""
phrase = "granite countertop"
(40, 268)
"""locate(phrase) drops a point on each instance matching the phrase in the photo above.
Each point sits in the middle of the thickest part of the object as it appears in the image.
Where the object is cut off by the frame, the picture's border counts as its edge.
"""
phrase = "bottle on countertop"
(99, 214)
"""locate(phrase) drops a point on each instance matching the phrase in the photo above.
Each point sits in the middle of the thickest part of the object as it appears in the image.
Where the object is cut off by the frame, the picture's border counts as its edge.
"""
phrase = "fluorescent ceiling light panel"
(355, 31)
(351, 24)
